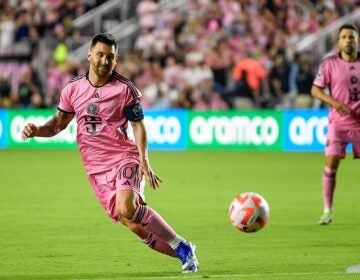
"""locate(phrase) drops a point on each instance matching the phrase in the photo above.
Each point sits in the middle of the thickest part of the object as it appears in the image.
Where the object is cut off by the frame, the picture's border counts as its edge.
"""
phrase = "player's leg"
(328, 187)
(334, 152)
(128, 208)
(149, 239)
(130, 193)
(104, 186)
(108, 186)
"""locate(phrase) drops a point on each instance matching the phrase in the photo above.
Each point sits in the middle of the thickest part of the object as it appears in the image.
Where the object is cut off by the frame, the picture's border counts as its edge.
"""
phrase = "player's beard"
(349, 50)
(102, 71)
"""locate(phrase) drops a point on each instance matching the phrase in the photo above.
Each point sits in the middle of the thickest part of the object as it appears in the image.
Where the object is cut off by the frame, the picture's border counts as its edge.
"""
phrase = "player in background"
(104, 102)
(341, 74)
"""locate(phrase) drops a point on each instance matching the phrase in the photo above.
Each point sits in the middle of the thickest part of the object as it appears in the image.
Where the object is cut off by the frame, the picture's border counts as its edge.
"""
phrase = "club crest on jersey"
(92, 109)
(354, 79)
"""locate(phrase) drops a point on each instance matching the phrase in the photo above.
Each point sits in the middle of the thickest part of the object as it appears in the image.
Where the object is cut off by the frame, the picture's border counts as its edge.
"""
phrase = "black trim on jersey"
(87, 78)
(66, 112)
(319, 86)
(356, 58)
(121, 78)
(77, 78)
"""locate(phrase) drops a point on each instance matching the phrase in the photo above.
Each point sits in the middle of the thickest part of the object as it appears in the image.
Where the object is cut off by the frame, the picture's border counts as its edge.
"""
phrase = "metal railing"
(125, 30)
(319, 44)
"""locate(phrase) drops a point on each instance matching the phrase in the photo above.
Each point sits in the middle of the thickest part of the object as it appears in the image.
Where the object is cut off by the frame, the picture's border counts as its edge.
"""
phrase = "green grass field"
(52, 227)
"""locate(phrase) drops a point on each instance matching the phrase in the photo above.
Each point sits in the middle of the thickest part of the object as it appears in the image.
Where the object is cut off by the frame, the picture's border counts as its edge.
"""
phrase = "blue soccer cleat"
(185, 251)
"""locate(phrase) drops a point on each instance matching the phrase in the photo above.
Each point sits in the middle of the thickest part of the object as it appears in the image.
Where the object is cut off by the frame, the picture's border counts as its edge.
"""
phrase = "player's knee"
(332, 162)
(125, 209)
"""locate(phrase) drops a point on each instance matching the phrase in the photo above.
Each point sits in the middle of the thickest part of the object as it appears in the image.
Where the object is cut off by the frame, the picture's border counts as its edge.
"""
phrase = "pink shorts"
(106, 184)
(337, 140)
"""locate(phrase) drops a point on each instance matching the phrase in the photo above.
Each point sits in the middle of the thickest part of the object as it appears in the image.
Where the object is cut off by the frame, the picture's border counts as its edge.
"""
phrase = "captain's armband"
(134, 112)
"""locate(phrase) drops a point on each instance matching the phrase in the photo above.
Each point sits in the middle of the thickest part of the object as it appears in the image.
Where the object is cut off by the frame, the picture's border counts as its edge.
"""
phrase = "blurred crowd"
(205, 55)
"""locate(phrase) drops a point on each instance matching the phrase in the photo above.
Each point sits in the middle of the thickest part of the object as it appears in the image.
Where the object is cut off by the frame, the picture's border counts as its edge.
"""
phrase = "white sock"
(327, 210)
(175, 242)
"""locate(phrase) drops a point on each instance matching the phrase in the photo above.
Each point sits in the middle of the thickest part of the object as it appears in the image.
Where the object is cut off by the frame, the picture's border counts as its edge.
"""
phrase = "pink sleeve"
(132, 95)
(322, 77)
(65, 102)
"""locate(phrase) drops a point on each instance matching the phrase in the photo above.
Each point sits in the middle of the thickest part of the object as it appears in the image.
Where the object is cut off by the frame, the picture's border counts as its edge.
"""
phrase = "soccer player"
(341, 74)
(104, 102)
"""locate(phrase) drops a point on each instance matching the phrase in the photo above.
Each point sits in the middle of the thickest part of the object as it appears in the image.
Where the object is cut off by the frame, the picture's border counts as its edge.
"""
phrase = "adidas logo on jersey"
(96, 95)
(126, 183)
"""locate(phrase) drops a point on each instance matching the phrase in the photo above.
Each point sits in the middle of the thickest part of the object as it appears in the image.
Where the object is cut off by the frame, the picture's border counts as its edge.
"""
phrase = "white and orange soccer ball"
(249, 212)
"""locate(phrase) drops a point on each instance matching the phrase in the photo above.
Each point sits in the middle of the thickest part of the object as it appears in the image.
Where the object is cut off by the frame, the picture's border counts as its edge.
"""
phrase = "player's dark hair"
(105, 38)
(348, 26)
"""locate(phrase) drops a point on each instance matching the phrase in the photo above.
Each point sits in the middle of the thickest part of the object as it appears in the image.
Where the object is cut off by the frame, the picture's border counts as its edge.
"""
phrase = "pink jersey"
(343, 80)
(101, 122)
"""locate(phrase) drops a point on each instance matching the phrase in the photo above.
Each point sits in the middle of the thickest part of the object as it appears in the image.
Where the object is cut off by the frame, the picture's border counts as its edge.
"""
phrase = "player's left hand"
(145, 169)
(341, 108)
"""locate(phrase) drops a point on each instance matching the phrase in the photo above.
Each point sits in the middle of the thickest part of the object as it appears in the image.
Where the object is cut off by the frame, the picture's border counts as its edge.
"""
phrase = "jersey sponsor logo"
(354, 94)
(91, 123)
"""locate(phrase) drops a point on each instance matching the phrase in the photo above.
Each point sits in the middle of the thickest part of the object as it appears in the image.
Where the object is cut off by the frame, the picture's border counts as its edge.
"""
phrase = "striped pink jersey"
(101, 122)
(343, 80)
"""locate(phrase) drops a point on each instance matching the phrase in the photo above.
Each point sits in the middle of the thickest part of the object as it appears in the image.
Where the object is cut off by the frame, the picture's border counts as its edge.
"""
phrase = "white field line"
(215, 276)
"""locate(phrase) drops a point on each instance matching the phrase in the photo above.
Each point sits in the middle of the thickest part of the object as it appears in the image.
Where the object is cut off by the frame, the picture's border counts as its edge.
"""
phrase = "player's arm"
(141, 144)
(56, 124)
(340, 107)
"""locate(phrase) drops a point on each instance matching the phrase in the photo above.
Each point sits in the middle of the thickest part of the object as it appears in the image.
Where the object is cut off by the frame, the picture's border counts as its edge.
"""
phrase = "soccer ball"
(249, 212)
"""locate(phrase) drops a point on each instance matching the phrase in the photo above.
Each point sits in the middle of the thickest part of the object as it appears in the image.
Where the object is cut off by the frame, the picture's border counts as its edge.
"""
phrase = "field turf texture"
(52, 227)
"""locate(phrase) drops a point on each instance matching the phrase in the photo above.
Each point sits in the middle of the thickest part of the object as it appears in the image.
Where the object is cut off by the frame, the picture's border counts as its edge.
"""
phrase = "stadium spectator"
(28, 92)
(220, 60)
(241, 89)
(221, 31)
(147, 12)
(293, 73)
(145, 43)
(304, 80)
(216, 102)
(255, 74)
(278, 80)
(7, 28)
(5, 92)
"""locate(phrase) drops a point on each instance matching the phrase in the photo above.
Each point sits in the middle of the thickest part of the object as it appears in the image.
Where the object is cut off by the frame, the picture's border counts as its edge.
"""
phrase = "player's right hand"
(30, 130)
